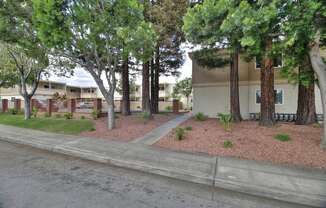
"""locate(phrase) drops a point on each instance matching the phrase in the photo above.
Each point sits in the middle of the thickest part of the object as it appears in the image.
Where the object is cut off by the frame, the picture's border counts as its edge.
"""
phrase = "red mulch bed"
(251, 141)
(127, 127)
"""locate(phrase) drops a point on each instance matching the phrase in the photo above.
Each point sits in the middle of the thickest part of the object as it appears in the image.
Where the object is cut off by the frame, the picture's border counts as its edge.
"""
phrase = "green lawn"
(56, 125)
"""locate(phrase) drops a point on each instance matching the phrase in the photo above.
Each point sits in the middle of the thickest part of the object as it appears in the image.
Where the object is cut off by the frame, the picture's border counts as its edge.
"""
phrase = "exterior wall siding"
(212, 100)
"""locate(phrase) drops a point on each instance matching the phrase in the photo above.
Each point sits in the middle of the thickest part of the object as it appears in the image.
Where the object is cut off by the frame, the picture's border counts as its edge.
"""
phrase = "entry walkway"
(158, 133)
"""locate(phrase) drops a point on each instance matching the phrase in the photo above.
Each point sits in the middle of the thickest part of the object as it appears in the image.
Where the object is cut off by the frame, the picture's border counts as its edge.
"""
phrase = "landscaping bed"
(285, 143)
(128, 127)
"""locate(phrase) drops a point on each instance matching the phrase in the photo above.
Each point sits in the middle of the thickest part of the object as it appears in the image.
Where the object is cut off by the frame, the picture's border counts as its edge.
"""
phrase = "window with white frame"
(277, 62)
(279, 96)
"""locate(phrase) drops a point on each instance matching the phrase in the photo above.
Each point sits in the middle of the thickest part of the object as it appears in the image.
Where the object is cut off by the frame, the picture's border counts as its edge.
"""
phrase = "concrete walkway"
(301, 186)
(158, 133)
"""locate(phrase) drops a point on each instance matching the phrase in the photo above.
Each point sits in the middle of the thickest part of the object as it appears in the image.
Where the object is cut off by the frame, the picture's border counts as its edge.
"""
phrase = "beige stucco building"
(211, 92)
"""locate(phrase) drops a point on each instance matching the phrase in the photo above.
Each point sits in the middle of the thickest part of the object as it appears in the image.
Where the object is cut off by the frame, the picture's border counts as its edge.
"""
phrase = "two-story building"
(211, 90)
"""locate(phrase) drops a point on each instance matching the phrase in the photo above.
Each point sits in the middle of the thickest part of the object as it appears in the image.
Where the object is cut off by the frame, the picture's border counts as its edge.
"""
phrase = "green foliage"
(13, 111)
(92, 129)
(146, 116)
(282, 137)
(180, 133)
(68, 116)
(34, 112)
(200, 117)
(227, 144)
(183, 87)
(168, 108)
(47, 115)
(188, 128)
(225, 120)
(96, 114)
(58, 115)
(211, 58)
(47, 124)
(82, 117)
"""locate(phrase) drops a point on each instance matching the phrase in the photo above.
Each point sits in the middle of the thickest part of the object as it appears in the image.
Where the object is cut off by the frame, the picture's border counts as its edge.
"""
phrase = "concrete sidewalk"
(302, 186)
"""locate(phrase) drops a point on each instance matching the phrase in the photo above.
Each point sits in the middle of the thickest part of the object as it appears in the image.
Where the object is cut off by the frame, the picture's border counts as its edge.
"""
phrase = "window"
(46, 86)
(277, 62)
(278, 96)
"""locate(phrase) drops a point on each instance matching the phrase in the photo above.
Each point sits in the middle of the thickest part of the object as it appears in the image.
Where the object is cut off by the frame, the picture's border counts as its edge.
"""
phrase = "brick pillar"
(71, 105)
(5, 105)
(18, 104)
(49, 107)
(175, 106)
(98, 104)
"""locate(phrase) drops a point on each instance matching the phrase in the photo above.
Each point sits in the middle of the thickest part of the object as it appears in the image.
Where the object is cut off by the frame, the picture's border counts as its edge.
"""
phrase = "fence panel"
(40, 104)
(60, 106)
(84, 105)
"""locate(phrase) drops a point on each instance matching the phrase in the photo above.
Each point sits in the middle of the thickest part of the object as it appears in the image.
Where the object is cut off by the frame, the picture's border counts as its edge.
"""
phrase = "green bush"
(68, 116)
(180, 133)
(200, 117)
(13, 111)
(146, 116)
(47, 115)
(168, 108)
(282, 137)
(188, 128)
(92, 129)
(227, 144)
(96, 114)
(34, 112)
(82, 117)
(225, 120)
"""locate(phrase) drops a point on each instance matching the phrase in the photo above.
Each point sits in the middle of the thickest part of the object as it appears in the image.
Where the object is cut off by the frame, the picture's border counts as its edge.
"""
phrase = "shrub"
(282, 137)
(146, 116)
(200, 117)
(92, 129)
(13, 111)
(188, 128)
(58, 115)
(82, 117)
(47, 115)
(227, 144)
(34, 112)
(96, 114)
(317, 125)
(180, 133)
(168, 108)
(225, 120)
(68, 116)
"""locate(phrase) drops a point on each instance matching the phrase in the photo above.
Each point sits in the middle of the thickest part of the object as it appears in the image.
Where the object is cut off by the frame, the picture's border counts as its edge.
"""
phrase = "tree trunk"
(157, 80)
(320, 69)
(267, 105)
(146, 105)
(111, 119)
(152, 86)
(27, 107)
(125, 89)
(306, 112)
(234, 87)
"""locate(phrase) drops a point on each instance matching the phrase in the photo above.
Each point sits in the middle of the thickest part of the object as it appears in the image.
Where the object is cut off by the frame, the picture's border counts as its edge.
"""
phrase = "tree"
(23, 57)
(184, 88)
(203, 25)
(259, 21)
(305, 29)
(125, 110)
(97, 35)
(166, 16)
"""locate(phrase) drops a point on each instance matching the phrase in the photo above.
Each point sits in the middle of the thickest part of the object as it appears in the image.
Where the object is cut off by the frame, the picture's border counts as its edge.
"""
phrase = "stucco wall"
(214, 99)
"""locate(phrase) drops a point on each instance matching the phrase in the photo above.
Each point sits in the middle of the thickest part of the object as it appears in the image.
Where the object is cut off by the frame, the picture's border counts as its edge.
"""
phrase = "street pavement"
(32, 178)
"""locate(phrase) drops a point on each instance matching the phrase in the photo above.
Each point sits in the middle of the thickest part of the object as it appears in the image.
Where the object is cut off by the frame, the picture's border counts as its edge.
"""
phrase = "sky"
(82, 78)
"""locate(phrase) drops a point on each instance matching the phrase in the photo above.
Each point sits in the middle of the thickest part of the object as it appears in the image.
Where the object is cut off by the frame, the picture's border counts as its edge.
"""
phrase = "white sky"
(83, 78)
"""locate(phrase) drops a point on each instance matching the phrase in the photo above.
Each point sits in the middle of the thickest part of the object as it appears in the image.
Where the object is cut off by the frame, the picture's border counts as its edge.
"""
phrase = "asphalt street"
(31, 178)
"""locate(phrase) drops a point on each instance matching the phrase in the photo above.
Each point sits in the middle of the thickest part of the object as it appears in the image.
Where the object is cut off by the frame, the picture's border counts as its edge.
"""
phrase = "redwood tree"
(125, 109)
